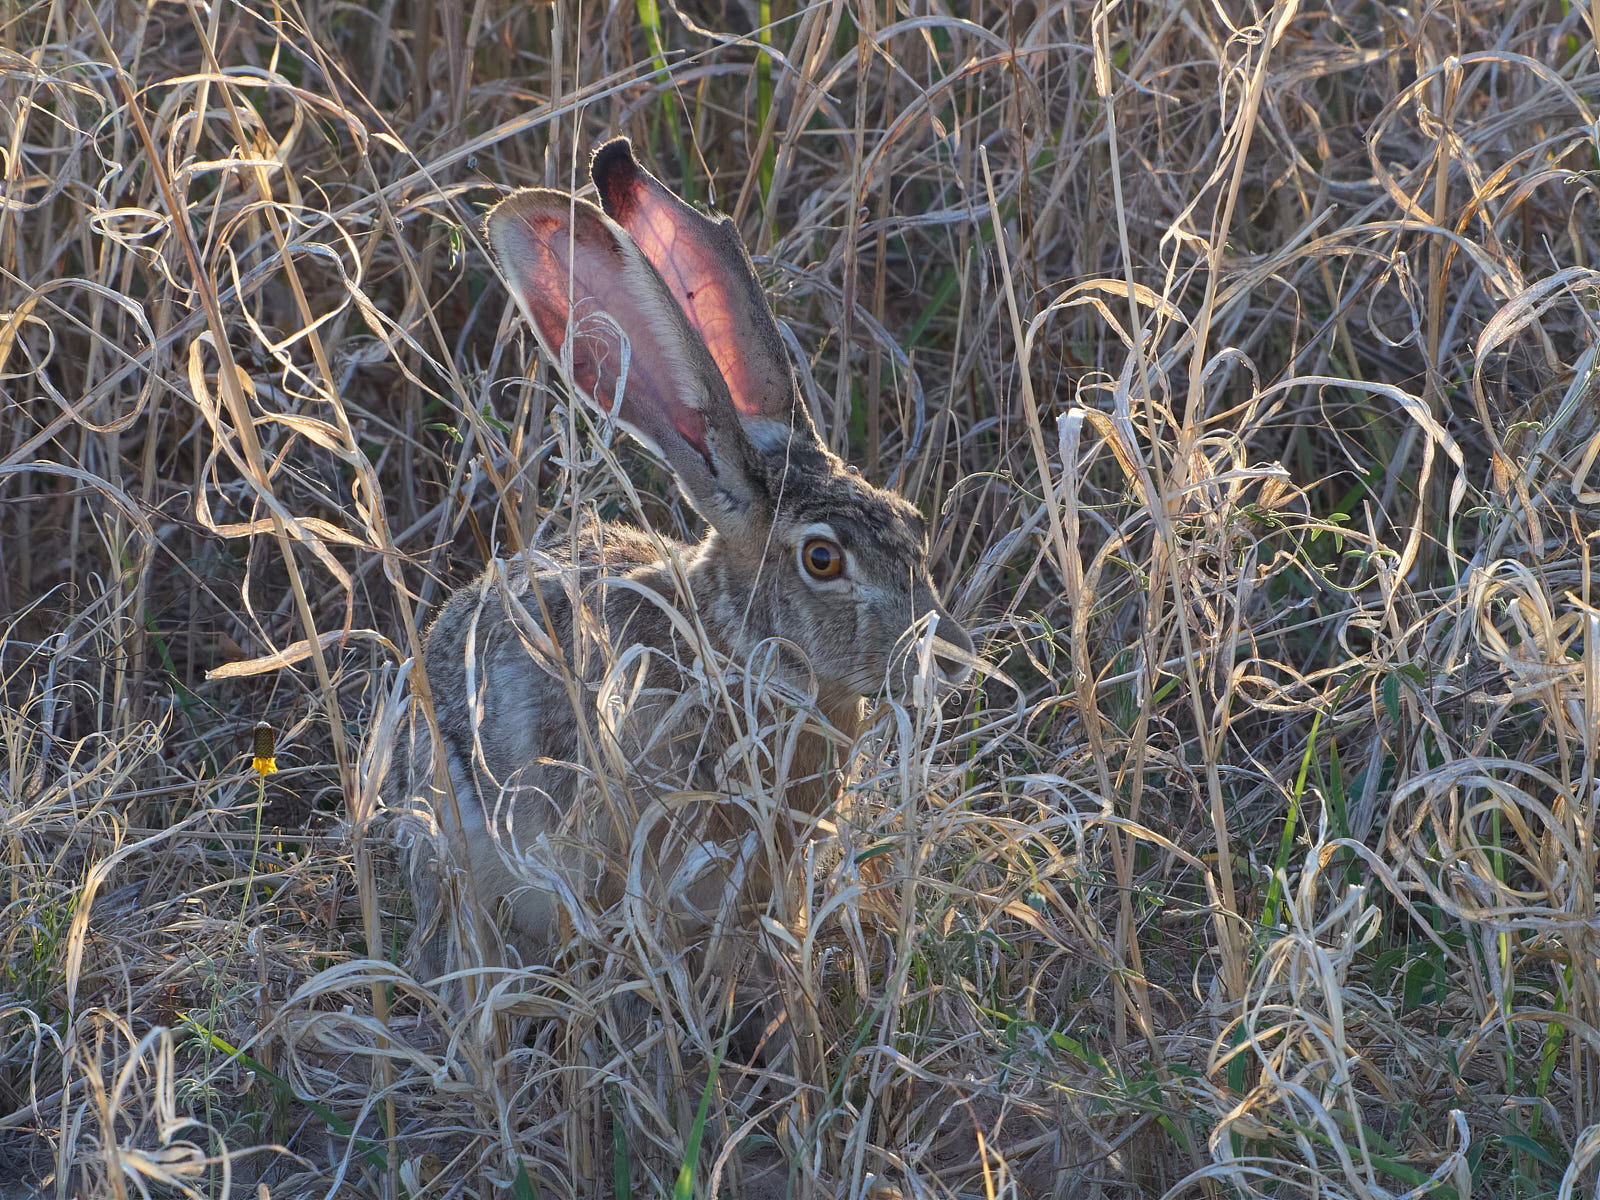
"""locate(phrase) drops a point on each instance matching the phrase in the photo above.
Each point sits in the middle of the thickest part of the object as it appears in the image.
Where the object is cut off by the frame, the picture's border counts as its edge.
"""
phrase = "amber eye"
(822, 558)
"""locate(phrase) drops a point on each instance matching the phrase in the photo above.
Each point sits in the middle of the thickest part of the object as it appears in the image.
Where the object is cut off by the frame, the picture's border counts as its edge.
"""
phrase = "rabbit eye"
(822, 558)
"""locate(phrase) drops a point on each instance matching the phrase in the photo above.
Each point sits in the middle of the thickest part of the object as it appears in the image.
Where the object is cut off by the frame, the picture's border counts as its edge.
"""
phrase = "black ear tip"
(612, 164)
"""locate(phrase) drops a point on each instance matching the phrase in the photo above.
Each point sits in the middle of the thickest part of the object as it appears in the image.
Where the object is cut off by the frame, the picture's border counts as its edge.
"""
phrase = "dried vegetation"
(1246, 360)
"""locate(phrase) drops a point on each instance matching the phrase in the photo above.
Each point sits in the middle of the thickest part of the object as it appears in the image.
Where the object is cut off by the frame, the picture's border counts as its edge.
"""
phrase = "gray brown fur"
(519, 662)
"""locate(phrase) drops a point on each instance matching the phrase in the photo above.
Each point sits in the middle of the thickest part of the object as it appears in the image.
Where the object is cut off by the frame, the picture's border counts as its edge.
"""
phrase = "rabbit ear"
(577, 275)
(705, 266)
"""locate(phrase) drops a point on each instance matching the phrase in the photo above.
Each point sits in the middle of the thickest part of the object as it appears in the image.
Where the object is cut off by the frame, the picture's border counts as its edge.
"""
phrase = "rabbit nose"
(952, 649)
(935, 658)
(953, 671)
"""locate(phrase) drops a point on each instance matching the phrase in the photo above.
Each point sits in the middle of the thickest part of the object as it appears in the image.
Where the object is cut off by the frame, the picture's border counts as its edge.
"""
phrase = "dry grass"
(1247, 359)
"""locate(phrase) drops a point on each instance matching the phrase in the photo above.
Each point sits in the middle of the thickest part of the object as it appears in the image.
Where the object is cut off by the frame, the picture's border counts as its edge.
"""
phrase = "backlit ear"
(705, 266)
(601, 309)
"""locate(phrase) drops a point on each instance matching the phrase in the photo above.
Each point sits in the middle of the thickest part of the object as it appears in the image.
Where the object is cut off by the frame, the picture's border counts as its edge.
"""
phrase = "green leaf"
(1531, 1148)
(1391, 696)
(683, 1189)
(1280, 866)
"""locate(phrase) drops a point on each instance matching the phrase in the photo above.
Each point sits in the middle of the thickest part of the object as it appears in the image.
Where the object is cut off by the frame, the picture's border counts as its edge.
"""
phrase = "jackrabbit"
(615, 654)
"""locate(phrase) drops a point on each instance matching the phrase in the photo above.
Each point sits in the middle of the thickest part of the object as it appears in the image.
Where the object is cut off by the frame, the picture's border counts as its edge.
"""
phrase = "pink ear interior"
(704, 265)
(697, 280)
(572, 270)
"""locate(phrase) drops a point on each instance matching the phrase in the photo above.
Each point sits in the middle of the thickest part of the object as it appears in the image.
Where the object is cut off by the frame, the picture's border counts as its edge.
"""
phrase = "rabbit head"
(658, 319)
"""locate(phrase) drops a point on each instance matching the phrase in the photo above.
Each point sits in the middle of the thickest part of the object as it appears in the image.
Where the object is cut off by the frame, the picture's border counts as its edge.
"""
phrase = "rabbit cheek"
(822, 622)
(853, 643)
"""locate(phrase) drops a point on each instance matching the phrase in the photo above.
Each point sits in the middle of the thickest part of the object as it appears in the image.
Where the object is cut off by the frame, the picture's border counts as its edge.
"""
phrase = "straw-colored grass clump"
(1244, 362)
